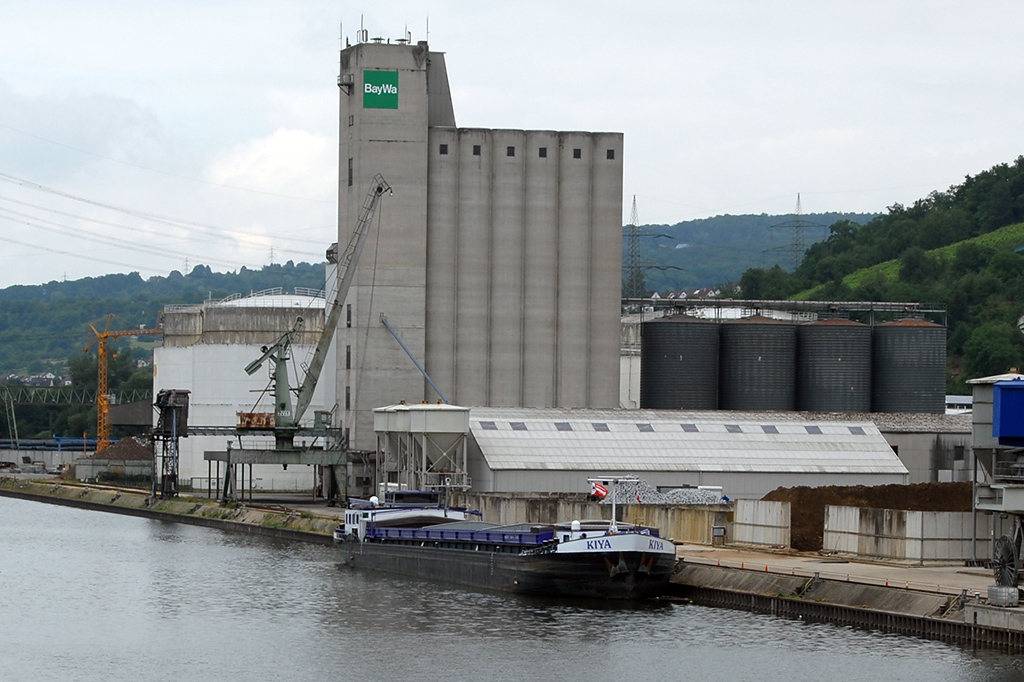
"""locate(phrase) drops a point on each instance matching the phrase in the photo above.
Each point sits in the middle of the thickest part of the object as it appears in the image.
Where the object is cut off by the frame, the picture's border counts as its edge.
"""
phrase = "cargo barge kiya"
(592, 559)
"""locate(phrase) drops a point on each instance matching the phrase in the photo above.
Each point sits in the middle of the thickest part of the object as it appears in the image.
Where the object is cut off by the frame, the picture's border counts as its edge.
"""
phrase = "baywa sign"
(380, 89)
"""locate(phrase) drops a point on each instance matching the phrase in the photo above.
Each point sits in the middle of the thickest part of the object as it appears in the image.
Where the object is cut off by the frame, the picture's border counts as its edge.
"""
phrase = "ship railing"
(483, 536)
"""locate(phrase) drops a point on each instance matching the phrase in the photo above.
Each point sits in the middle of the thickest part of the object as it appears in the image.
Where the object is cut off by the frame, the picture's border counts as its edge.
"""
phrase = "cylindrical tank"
(679, 364)
(757, 365)
(833, 366)
(908, 367)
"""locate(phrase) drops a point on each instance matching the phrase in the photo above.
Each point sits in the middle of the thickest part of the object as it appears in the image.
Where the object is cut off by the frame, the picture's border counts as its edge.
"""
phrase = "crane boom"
(102, 394)
(347, 267)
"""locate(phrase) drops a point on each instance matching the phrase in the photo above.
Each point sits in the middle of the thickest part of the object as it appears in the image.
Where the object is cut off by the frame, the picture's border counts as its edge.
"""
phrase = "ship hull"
(616, 575)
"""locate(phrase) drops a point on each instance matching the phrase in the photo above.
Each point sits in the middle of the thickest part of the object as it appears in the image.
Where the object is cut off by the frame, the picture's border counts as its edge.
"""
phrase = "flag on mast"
(598, 490)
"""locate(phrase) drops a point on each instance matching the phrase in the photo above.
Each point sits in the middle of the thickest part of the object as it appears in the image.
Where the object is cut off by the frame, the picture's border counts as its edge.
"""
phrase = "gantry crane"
(102, 394)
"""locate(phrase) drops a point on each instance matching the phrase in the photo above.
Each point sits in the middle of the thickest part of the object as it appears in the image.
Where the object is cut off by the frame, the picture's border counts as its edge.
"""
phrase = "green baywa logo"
(380, 89)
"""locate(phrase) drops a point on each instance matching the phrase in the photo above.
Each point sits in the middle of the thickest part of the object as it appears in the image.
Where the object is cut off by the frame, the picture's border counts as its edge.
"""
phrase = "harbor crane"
(102, 392)
(284, 420)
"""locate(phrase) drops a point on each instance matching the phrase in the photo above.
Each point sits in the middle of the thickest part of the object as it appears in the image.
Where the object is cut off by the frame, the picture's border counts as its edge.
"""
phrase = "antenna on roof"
(362, 35)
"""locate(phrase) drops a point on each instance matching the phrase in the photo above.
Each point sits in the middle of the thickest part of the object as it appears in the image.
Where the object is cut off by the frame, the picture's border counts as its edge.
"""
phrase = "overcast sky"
(156, 136)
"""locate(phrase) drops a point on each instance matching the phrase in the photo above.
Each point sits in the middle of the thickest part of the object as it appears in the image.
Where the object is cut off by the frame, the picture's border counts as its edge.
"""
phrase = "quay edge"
(281, 524)
(888, 609)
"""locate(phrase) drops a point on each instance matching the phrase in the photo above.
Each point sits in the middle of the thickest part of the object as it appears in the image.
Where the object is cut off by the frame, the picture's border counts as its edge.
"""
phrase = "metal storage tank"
(679, 364)
(833, 366)
(757, 365)
(908, 367)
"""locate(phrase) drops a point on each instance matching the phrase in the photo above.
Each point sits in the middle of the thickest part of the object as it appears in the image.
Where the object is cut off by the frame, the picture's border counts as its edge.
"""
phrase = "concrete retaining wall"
(760, 523)
(90, 469)
(684, 524)
(904, 535)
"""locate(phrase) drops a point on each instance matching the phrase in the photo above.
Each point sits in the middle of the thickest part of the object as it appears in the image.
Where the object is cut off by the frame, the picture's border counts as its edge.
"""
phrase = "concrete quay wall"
(889, 609)
(282, 524)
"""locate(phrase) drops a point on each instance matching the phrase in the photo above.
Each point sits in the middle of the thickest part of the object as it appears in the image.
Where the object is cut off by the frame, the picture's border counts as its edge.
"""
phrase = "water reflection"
(100, 596)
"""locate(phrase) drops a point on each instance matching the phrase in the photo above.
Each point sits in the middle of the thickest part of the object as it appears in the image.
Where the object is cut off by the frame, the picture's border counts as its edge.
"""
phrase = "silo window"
(689, 428)
(348, 315)
(543, 152)
(488, 426)
(646, 428)
(351, 120)
(476, 150)
(510, 151)
(518, 426)
(768, 428)
(857, 430)
(350, 172)
(563, 426)
(813, 430)
(611, 155)
(348, 397)
(733, 428)
(598, 426)
(348, 357)
(577, 153)
(444, 150)
(958, 453)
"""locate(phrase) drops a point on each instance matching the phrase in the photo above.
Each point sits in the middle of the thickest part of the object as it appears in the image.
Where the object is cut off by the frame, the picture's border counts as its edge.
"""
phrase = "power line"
(161, 172)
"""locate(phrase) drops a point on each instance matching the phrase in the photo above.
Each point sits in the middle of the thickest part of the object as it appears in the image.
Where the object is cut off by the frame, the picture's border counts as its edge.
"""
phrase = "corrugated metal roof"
(654, 440)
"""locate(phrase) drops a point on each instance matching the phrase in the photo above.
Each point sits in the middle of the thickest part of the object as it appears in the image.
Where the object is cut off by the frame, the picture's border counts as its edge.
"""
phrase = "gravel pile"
(641, 492)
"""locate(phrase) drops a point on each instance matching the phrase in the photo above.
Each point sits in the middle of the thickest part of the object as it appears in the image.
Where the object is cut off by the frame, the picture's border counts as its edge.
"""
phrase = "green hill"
(42, 326)
(959, 248)
(713, 251)
(1007, 238)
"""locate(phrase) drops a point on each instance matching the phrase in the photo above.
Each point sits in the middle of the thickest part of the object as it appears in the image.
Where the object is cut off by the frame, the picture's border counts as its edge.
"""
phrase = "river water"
(94, 596)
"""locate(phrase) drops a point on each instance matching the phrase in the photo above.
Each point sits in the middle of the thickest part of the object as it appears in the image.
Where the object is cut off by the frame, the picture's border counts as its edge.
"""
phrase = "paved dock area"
(948, 580)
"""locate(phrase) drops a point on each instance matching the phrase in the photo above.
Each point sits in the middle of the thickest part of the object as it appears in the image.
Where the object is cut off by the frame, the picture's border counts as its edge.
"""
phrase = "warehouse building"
(497, 261)
(519, 450)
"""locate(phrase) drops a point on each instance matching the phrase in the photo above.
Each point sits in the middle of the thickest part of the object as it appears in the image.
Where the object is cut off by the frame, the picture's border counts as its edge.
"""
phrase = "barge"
(592, 559)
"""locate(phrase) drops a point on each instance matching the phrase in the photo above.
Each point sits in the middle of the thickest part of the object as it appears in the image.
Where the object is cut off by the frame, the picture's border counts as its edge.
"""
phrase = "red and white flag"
(598, 489)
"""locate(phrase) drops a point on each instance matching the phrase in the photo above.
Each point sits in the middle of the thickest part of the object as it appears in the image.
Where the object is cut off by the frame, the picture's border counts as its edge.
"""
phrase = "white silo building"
(205, 350)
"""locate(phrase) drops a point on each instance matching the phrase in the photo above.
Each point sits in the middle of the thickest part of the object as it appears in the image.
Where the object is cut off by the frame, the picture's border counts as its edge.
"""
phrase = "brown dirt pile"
(807, 505)
(127, 449)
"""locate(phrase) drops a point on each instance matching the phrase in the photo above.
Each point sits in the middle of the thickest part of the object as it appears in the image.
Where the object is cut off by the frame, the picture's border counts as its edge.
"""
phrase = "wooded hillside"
(960, 248)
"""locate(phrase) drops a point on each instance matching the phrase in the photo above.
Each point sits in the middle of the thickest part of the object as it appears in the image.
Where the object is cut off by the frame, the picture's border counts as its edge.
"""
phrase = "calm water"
(94, 596)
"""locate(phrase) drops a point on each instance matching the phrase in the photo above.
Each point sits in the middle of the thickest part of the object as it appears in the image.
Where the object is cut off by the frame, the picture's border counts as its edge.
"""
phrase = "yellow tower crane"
(102, 394)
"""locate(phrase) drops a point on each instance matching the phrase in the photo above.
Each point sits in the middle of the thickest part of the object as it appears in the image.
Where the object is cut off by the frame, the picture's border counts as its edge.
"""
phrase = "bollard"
(766, 568)
(741, 565)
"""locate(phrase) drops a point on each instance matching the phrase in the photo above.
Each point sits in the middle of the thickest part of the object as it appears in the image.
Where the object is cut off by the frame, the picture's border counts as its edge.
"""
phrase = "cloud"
(288, 162)
(53, 136)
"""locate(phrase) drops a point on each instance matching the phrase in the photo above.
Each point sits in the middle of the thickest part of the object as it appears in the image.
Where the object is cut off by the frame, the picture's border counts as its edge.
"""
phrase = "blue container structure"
(1008, 412)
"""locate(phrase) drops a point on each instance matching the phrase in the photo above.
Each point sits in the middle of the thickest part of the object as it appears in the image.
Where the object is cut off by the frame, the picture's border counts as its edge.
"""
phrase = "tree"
(915, 266)
(991, 349)
(774, 284)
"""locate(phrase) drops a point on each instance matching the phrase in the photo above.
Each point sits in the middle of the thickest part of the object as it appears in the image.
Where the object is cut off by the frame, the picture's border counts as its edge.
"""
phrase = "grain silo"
(908, 367)
(679, 364)
(833, 366)
(757, 365)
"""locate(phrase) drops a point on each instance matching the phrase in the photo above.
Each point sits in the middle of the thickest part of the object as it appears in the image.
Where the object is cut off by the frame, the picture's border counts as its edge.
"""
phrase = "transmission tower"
(797, 245)
(635, 286)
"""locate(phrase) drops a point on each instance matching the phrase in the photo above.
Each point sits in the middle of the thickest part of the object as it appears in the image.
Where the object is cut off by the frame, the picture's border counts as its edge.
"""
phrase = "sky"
(152, 137)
